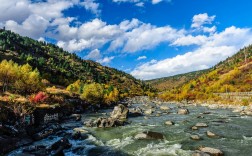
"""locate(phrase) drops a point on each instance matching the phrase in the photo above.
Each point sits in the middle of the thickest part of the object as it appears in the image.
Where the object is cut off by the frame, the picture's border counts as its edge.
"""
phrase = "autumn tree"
(93, 93)
(8, 73)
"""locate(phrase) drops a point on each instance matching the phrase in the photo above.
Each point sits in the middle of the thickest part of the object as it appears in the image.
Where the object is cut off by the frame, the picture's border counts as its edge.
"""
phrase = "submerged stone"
(212, 151)
(201, 125)
(149, 135)
(195, 137)
(183, 111)
(211, 134)
(169, 123)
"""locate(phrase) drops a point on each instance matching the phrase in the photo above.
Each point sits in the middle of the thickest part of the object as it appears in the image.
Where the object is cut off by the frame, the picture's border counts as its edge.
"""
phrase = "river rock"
(47, 131)
(194, 128)
(211, 151)
(89, 123)
(135, 112)
(211, 134)
(149, 135)
(120, 112)
(59, 146)
(35, 150)
(169, 123)
(164, 108)
(201, 124)
(158, 115)
(105, 122)
(81, 130)
(148, 112)
(200, 153)
(195, 137)
(79, 136)
(206, 112)
(183, 111)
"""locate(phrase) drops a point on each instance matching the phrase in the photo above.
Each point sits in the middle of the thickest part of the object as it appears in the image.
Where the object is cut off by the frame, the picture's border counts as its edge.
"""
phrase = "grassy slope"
(171, 82)
(232, 75)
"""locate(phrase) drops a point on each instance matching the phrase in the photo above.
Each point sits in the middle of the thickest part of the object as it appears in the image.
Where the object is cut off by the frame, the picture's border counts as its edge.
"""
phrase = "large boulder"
(183, 111)
(120, 112)
(149, 135)
(211, 151)
(105, 122)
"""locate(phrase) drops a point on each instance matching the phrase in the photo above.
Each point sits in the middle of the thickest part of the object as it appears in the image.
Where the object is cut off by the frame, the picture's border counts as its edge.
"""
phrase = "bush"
(245, 102)
(40, 97)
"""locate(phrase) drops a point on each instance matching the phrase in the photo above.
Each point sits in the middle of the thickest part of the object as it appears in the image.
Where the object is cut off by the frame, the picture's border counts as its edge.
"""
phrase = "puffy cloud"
(33, 18)
(92, 6)
(129, 25)
(209, 30)
(89, 35)
(201, 19)
(15, 10)
(34, 26)
(217, 47)
(94, 54)
(106, 60)
(190, 40)
(141, 58)
(145, 36)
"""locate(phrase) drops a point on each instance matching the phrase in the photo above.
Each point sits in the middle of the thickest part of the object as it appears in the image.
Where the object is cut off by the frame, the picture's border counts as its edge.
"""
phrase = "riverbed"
(234, 134)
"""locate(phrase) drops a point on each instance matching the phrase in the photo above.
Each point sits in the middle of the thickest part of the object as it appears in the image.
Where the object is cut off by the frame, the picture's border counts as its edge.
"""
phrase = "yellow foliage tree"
(93, 93)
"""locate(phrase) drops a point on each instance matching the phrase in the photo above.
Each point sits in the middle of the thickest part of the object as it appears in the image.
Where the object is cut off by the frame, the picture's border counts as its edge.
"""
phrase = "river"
(234, 134)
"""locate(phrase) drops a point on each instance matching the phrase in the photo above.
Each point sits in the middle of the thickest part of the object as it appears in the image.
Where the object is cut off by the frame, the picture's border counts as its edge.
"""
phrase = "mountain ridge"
(61, 67)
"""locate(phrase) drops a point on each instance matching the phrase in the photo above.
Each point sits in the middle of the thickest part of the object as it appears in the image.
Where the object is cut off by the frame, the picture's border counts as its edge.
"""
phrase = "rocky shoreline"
(118, 117)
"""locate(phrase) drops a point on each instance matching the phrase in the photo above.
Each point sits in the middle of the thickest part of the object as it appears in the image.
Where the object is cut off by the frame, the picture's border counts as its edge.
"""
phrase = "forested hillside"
(232, 75)
(60, 67)
(167, 83)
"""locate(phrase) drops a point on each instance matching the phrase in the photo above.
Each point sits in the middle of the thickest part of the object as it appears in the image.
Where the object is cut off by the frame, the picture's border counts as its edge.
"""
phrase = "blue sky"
(146, 38)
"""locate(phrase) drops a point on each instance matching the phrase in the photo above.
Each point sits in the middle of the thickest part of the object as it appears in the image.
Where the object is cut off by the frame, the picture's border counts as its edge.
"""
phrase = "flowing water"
(234, 131)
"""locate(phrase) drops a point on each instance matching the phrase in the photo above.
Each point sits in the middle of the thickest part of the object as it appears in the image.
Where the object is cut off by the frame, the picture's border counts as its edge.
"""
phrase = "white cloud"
(89, 35)
(129, 25)
(141, 58)
(15, 10)
(210, 30)
(34, 26)
(156, 1)
(94, 54)
(217, 47)
(190, 40)
(33, 18)
(92, 6)
(140, 3)
(106, 60)
(145, 36)
(201, 19)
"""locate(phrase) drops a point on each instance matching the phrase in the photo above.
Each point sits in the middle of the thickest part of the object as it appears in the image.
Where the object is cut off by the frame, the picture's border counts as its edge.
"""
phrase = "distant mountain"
(232, 75)
(167, 83)
(61, 67)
